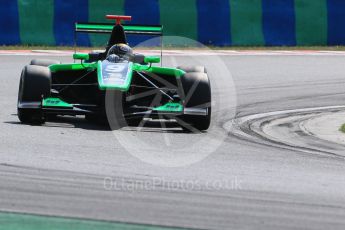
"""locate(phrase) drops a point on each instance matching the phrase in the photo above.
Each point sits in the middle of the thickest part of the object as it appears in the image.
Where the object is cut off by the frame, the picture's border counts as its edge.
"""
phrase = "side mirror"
(81, 56)
(152, 59)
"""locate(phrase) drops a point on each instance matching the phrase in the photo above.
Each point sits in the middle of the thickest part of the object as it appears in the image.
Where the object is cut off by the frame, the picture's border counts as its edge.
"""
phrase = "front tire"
(35, 83)
(114, 109)
(197, 90)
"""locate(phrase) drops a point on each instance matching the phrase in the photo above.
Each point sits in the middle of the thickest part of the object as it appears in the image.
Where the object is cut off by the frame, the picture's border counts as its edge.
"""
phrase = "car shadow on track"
(64, 122)
(81, 123)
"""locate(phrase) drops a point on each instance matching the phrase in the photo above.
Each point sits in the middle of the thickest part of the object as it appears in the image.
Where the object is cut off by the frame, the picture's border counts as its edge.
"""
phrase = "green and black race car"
(117, 85)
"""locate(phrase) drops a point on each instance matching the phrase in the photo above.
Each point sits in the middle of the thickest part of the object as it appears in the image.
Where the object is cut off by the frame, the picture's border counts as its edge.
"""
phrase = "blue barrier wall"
(212, 22)
(9, 23)
(279, 22)
(63, 28)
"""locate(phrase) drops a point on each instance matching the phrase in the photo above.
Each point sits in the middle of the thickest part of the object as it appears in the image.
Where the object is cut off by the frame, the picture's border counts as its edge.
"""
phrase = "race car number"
(115, 75)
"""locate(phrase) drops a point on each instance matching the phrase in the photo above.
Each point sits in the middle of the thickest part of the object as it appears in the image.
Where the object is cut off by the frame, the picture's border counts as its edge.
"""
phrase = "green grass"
(342, 128)
(16, 221)
(326, 48)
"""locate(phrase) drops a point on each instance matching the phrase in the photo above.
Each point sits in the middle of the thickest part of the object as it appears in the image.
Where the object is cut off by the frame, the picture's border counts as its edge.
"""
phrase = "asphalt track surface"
(59, 169)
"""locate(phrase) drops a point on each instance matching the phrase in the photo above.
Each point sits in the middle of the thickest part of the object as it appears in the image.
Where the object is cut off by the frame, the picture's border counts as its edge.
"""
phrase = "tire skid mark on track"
(284, 129)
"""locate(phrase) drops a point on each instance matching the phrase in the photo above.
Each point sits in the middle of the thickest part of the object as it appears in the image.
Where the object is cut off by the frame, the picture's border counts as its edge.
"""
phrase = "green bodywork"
(170, 107)
(159, 70)
(81, 56)
(167, 71)
(124, 87)
(55, 102)
(135, 67)
(73, 66)
(152, 59)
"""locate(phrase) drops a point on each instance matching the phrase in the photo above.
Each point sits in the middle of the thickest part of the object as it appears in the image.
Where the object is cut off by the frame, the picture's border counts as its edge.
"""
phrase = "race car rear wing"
(154, 30)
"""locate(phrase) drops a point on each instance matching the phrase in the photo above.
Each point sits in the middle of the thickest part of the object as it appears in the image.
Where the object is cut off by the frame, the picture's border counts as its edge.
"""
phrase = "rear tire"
(35, 83)
(44, 62)
(197, 97)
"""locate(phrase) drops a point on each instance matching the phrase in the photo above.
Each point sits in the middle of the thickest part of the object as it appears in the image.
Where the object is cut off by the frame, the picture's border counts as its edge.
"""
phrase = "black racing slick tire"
(197, 90)
(35, 83)
(192, 69)
(44, 62)
(114, 100)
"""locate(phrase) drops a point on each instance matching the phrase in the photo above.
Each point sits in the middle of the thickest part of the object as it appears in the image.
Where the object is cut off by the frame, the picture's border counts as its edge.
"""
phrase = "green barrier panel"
(179, 18)
(97, 11)
(311, 22)
(36, 22)
(246, 22)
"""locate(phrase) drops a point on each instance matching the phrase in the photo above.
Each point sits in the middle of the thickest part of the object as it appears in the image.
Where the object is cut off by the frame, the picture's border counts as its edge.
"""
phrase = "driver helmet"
(121, 50)
(113, 58)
